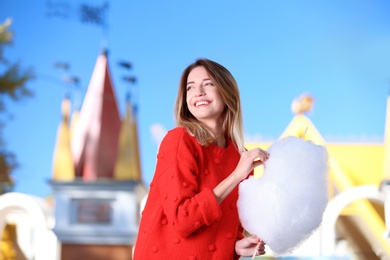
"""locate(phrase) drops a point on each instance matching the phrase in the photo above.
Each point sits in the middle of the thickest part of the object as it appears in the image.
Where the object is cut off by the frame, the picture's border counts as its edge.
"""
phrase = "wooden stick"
(254, 254)
(303, 136)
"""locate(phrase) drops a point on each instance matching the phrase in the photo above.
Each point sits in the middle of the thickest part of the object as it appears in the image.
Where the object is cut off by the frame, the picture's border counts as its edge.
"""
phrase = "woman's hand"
(250, 160)
(248, 245)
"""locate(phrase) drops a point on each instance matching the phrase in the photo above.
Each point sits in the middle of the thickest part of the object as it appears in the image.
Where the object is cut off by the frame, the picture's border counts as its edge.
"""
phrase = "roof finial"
(302, 104)
(105, 52)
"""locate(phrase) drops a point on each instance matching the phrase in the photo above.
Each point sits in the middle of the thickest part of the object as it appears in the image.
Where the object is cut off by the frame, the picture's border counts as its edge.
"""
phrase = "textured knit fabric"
(182, 218)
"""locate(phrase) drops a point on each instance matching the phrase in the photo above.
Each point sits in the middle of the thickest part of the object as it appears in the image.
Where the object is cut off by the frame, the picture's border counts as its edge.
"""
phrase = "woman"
(191, 210)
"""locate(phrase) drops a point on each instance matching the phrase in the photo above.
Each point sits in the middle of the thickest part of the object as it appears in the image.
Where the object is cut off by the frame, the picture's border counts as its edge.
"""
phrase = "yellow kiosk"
(355, 168)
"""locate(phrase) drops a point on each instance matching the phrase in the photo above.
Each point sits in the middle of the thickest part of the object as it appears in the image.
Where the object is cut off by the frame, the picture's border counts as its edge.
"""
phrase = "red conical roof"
(95, 141)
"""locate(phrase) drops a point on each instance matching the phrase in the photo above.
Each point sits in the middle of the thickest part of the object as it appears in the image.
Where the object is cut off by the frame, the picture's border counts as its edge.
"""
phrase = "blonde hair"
(232, 125)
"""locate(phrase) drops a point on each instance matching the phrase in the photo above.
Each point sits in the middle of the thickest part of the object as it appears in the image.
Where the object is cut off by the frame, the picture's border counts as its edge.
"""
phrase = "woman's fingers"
(263, 155)
(259, 155)
(260, 248)
(249, 160)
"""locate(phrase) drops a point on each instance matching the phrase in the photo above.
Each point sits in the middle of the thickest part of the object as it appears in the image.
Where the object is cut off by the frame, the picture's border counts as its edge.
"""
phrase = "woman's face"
(203, 98)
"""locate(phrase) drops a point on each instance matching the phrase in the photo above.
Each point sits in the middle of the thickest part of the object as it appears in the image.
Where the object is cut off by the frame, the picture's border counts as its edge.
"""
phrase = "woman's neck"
(220, 139)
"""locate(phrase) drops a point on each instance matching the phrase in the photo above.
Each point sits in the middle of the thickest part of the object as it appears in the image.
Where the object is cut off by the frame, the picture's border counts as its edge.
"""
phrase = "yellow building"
(355, 169)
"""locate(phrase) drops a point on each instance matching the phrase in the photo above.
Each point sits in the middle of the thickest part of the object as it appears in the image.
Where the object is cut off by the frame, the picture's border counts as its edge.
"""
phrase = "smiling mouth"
(201, 103)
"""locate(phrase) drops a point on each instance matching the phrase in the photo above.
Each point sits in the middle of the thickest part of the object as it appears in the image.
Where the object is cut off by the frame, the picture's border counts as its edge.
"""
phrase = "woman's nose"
(200, 92)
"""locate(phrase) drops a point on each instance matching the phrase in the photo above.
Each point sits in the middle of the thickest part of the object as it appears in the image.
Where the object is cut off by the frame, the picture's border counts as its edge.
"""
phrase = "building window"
(91, 211)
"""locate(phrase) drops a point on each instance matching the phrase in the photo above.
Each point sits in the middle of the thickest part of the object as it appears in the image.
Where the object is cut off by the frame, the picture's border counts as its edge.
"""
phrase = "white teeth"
(201, 103)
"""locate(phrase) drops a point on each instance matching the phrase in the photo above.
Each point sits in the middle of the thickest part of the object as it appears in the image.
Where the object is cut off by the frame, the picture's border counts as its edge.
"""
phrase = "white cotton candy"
(286, 204)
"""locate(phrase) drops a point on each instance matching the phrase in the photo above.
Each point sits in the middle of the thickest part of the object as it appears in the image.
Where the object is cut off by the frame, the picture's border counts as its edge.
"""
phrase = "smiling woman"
(204, 101)
(224, 89)
(191, 209)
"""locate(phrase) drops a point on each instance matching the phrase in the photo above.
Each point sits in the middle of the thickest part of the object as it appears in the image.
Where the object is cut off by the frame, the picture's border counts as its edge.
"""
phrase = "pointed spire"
(63, 167)
(137, 170)
(95, 141)
(75, 113)
(128, 161)
(386, 166)
(73, 122)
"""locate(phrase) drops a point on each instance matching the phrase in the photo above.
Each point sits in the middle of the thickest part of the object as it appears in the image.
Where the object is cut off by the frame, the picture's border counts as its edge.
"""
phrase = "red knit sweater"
(182, 218)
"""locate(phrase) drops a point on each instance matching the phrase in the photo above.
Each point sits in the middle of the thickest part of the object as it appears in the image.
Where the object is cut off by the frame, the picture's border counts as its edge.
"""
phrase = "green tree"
(13, 87)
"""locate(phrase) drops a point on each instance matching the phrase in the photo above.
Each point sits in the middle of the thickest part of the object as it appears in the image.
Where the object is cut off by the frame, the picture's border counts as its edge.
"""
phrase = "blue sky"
(338, 51)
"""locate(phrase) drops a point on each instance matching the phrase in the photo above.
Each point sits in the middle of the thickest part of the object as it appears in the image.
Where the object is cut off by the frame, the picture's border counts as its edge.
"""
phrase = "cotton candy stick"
(254, 253)
(303, 136)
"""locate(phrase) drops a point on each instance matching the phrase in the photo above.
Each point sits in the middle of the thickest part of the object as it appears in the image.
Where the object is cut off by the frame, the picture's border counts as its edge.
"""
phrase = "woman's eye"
(188, 88)
(209, 84)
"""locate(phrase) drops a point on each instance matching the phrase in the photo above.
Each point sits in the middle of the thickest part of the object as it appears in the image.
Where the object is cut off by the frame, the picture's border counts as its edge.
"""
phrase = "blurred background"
(335, 52)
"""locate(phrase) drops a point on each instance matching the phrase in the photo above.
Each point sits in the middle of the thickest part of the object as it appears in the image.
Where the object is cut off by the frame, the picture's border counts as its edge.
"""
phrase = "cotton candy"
(286, 204)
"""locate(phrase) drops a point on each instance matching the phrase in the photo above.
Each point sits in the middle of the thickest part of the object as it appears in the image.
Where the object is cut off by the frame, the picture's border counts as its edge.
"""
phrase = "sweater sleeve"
(186, 207)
